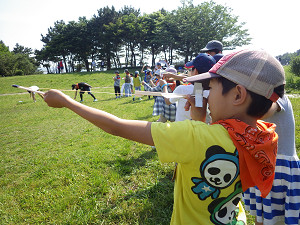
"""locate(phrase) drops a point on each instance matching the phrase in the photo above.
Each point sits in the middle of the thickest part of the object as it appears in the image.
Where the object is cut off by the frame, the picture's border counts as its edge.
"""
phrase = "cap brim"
(201, 77)
(204, 50)
(189, 64)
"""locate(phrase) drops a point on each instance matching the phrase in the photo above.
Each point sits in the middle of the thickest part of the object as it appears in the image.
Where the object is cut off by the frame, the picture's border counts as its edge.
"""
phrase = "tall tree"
(207, 21)
(130, 32)
(106, 38)
(11, 62)
(22, 50)
(182, 32)
(152, 33)
(79, 40)
(56, 42)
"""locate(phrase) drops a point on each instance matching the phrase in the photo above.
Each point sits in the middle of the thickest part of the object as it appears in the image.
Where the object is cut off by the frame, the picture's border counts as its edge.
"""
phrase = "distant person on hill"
(58, 67)
(102, 65)
(93, 65)
(61, 66)
(84, 87)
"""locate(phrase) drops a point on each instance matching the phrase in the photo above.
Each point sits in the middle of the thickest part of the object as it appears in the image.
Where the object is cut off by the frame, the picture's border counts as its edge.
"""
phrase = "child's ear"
(240, 94)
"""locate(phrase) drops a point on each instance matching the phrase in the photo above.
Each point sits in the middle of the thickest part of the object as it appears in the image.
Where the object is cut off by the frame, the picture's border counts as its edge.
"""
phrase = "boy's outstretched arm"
(139, 131)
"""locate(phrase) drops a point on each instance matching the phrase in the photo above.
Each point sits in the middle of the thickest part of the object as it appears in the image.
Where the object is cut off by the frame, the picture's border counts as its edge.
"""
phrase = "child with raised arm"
(282, 204)
(215, 162)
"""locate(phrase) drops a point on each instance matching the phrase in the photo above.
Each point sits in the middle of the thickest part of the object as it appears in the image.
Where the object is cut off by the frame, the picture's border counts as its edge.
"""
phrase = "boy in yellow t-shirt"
(215, 162)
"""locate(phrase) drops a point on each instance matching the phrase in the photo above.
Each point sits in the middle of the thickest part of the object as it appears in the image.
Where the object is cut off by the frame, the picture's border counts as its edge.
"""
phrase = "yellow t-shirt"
(207, 186)
(136, 81)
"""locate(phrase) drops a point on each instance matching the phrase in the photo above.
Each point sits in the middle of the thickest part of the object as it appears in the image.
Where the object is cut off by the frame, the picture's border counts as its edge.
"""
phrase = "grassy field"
(56, 168)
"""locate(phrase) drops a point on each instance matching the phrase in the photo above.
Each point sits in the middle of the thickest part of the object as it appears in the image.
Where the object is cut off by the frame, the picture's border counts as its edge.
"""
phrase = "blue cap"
(203, 63)
(218, 56)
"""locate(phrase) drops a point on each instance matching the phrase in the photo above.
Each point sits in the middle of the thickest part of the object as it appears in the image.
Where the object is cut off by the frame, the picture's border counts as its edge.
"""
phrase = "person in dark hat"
(214, 48)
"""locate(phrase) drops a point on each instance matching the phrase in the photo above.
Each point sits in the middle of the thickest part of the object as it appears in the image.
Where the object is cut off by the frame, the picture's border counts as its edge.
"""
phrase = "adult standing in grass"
(117, 81)
(215, 162)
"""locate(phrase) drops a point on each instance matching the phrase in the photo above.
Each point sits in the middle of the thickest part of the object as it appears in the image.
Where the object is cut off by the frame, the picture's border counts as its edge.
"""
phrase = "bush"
(19, 73)
(295, 65)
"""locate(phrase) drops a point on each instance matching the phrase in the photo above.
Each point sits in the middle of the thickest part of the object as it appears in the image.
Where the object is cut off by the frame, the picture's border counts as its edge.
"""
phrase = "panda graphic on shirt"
(218, 171)
(224, 210)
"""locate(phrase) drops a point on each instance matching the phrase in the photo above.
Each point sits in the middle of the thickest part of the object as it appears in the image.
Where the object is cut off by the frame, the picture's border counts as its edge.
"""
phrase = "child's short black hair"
(259, 105)
(73, 86)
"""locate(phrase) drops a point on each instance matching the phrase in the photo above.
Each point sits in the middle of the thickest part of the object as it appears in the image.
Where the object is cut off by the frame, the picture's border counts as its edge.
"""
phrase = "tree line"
(19, 61)
(127, 38)
(286, 58)
(126, 35)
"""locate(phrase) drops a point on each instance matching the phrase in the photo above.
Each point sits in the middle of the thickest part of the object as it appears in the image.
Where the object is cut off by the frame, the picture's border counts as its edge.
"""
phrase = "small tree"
(295, 65)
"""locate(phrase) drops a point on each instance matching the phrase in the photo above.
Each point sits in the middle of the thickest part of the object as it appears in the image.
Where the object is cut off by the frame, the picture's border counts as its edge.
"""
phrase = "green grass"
(292, 81)
(56, 168)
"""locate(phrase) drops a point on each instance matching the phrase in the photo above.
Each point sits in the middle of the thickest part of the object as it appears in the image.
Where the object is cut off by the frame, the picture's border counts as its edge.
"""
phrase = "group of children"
(232, 156)
(130, 82)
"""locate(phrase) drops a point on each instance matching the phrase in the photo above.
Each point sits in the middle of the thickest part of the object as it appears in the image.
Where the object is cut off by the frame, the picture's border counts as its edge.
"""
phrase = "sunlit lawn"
(56, 168)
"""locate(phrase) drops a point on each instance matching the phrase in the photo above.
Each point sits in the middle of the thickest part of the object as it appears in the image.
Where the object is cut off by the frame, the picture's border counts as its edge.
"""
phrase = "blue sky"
(273, 25)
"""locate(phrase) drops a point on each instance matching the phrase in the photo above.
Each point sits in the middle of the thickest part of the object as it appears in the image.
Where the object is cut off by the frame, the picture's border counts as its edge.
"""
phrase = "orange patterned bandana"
(257, 148)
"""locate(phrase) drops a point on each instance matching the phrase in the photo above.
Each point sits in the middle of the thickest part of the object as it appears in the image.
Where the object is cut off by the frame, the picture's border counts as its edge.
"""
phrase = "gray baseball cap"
(214, 44)
(256, 70)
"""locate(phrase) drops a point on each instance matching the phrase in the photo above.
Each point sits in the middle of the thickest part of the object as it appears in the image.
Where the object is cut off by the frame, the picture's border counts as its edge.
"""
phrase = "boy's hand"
(56, 99)
(197, 113)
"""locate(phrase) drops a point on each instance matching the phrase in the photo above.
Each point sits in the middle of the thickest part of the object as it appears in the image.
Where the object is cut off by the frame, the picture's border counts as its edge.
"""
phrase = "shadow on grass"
(126, 166)
(157, 203)
(157, 199)
(159, 206)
